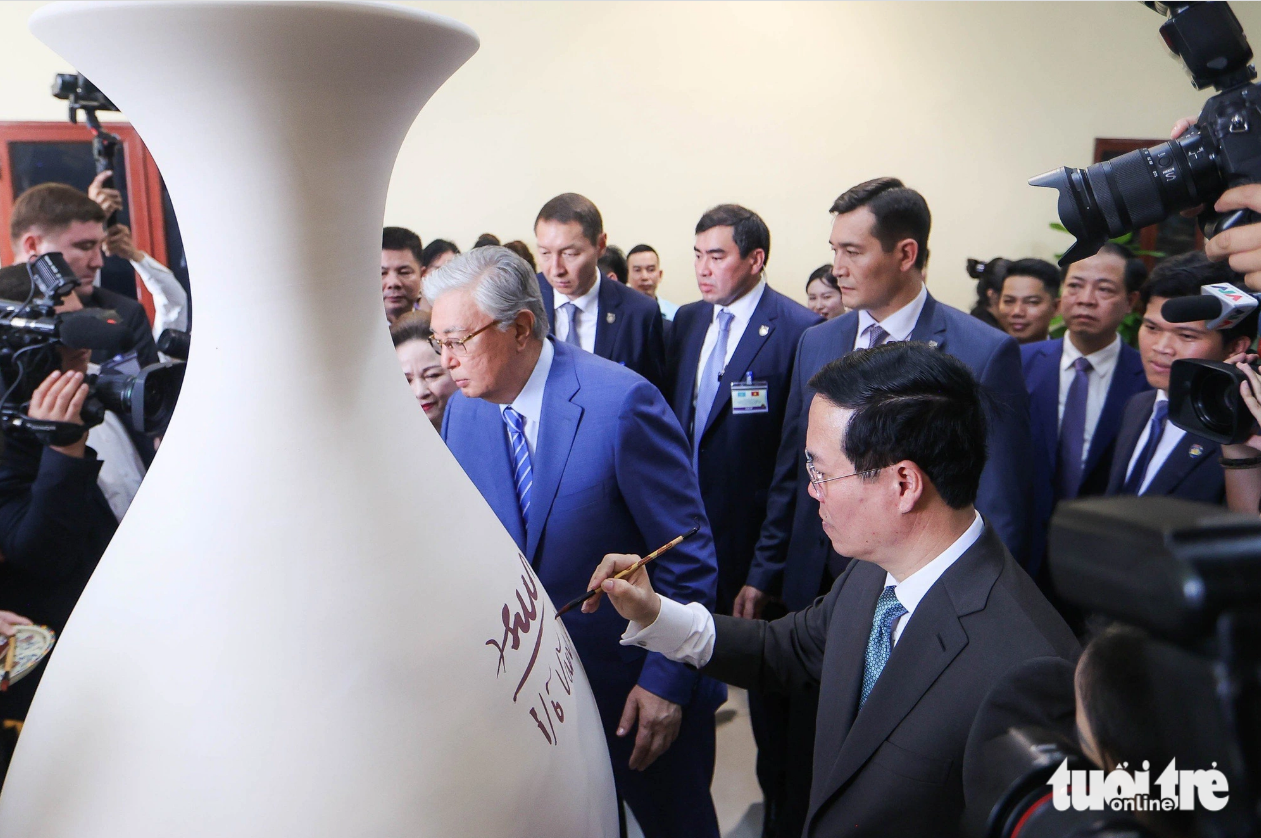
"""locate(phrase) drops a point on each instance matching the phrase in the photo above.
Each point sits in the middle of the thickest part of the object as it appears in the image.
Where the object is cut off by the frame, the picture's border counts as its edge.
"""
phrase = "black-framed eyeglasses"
(817, 480)
(456, 346)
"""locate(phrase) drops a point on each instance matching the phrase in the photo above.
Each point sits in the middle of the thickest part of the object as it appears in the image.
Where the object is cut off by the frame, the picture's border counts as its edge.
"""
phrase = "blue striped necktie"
(711, 374)
(880, 642)
(522, 475)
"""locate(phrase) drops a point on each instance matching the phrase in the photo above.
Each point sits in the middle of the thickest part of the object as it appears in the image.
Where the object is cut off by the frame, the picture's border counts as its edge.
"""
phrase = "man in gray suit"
(912, 637)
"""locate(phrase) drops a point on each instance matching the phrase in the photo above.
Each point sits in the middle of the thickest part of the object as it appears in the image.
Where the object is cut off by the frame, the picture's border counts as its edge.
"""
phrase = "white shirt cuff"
(681, 632)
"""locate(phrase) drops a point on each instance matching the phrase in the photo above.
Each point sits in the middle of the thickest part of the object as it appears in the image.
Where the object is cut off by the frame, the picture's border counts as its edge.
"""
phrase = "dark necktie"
(1154, 432)
(880, 642)
(1073, 430)
(876, 335)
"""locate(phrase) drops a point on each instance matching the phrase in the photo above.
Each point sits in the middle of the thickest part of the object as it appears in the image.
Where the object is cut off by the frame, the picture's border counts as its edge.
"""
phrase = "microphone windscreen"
(1188, 309)
(83, 330)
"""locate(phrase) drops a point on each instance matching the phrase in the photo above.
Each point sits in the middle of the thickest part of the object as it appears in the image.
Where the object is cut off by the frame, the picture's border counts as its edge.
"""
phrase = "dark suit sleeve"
(1005, 494)
(766, 572)
(655, 352)
(44, 527)
(656, 480)
(784, 655)
(142, 332)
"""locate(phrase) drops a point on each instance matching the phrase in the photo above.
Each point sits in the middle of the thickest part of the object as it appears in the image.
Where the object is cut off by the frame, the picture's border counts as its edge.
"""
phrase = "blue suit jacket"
(629, 331)
(1191, 472)
(611, 475)
(1042, 378)
(737, 453)
(792, 551)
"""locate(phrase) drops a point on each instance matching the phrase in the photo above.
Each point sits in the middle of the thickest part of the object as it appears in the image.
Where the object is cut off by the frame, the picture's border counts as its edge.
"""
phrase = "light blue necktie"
(522, 476)
(571, 336)
(880, 643)
(707, 387)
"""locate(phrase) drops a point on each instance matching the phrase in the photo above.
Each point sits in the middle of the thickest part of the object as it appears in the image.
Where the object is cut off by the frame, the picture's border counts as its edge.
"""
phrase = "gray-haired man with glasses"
(913, 635)
(579, 457)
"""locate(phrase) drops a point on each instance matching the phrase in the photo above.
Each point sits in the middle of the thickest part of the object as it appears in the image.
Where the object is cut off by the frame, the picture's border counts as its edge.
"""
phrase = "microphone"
(1221, 305)
(85, 330)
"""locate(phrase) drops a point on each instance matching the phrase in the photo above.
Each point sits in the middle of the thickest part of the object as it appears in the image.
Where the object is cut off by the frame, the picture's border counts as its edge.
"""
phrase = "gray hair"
(503, 285)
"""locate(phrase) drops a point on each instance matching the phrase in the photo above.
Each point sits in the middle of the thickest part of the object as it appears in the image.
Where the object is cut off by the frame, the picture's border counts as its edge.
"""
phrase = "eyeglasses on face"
(456, 346)
(818, 480)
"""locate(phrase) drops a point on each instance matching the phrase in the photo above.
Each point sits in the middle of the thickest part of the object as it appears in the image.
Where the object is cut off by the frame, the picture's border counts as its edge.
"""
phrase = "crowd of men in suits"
(598, 420)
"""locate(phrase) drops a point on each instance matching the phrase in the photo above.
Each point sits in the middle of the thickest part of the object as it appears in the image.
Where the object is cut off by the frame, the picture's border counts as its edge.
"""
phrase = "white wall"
(657, 110)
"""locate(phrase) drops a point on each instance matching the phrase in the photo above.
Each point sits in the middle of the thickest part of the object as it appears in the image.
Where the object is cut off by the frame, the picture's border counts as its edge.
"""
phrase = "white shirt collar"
(742, 309)
(902, 322)
(1102, 361)
(587, 303)
(913, 588)
(529, 402)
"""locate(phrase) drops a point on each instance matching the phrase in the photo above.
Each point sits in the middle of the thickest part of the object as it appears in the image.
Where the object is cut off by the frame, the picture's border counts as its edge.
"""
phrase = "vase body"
(297, 630)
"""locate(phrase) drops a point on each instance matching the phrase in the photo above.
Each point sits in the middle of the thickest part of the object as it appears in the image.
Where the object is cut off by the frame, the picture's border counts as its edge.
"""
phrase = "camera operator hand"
(59, 398)
(111, 200)
(1243, 485)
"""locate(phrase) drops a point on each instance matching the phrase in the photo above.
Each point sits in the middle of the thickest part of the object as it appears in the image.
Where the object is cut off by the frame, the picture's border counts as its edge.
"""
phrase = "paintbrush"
(628, 571)
(8, 662)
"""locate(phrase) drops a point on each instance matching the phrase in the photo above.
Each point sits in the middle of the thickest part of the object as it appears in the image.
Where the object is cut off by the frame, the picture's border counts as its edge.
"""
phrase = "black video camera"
(31, 332)
(87, 97)
(1222, 149)
(1189, 576)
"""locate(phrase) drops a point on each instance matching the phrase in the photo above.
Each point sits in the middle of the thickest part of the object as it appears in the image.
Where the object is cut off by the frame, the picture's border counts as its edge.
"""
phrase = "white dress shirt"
(741, 312)
(1103, 364)
(1168, 441)
(588, 315)
(170, 301)
(121, 466)
(899, 325)
(529, 402)
(685, 633)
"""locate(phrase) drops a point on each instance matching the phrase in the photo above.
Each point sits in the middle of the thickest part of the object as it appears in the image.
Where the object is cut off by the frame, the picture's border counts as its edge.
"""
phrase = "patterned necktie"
(707, 387)
(1073, 430)
(1154, 432)
(876, 335)
(522, 475)
(571, 312)
(880, 643)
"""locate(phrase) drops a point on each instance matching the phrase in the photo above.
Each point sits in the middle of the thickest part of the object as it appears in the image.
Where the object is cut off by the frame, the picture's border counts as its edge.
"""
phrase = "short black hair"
(901, 213)
(824, 274)
(747, 228)
(571, 207)
(911, 402)
(486, 240)
(1182, 276)
(613, 261)
(436, 248)
(643, 248)
(1038, 269)
(1135, 268)
(401, 238)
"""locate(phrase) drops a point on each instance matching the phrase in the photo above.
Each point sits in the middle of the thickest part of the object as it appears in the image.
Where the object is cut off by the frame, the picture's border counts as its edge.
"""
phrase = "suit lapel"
(610, 318)
(1127, 438)
(848, 333)
(557, 428)
(689, 361)
(1044, 399)
(1190, 451)
(756, 334)
(549, 301)
(494, 477)
(1119, 391)
(930, 328)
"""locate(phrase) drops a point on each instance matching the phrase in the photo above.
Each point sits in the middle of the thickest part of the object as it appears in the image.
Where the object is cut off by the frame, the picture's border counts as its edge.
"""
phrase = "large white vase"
(297, 630)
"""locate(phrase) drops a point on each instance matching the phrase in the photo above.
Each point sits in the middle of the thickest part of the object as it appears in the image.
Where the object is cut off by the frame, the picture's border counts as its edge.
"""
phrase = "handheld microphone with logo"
(1221, 305)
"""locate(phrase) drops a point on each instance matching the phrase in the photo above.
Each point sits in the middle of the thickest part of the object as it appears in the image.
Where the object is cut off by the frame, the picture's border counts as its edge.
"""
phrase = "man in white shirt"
(1154, 456)
(585, 310)
(913, 635)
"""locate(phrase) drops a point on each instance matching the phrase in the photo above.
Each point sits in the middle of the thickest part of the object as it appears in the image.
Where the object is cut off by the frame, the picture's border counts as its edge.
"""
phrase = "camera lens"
(1215, 399)
(1129, 192)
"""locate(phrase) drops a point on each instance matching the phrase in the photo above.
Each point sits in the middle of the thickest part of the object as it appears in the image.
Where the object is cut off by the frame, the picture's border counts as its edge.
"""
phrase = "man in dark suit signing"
(914, 634)
(585, 309)
(1154, 456)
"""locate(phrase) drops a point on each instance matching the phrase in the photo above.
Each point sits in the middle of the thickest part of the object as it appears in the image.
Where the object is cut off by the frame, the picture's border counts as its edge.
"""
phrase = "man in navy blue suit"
(732, 354)
(1079, 384)
(578, 457)
(879, 242)
(585, 309)
(1154, 456)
